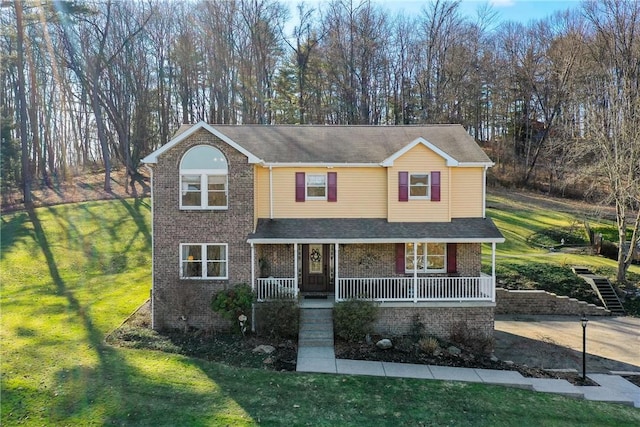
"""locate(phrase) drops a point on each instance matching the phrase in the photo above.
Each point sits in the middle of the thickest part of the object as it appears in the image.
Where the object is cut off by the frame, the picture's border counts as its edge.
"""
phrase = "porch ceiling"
(373, 230)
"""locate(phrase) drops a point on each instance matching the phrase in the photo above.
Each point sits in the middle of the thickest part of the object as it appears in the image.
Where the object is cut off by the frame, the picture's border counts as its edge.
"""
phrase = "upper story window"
(316, 187)
(419, 186)
(422, 185)
(203, 179)
(430, 257)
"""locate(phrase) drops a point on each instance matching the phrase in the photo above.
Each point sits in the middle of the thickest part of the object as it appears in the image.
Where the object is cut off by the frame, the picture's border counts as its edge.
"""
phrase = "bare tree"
(612, 125)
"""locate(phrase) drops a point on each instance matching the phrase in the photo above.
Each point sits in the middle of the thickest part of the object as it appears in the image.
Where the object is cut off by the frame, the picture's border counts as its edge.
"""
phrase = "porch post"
(295, 269)
(493, 272)
(253, 267)
(335, 273)
(415, 272)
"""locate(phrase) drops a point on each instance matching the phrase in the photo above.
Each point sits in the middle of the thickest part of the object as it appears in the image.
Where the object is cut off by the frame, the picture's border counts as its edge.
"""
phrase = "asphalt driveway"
(555, 342)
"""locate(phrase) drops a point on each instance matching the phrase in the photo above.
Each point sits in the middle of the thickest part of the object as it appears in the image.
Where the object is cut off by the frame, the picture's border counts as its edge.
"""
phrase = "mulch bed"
(406, 351)
(236, 350)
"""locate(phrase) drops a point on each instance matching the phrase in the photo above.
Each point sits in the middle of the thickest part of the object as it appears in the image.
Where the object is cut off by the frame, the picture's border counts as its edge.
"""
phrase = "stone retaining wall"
(543, 302)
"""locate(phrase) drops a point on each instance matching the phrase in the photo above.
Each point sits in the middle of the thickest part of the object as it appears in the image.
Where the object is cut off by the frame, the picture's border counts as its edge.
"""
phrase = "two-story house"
(390, 213)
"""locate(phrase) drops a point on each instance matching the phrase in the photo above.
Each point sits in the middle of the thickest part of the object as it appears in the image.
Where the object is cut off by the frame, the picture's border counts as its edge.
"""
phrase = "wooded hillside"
(97, 83)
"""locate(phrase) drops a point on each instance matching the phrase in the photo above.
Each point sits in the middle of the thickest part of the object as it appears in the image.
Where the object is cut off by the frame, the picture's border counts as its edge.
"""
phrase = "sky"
(508, 10)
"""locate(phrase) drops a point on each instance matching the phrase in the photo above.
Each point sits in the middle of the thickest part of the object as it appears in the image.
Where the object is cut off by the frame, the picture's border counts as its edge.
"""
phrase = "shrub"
(462, 336)
(354, 319)
(632, 306)
(428, 345)
(278, 318)
(233, 303)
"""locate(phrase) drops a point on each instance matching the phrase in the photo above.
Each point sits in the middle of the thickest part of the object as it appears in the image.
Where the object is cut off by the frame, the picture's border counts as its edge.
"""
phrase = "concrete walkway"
(613, 388)
(316, 354)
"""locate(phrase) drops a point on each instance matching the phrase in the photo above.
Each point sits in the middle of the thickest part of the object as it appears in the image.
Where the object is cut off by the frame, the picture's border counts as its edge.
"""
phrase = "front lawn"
(71, 274)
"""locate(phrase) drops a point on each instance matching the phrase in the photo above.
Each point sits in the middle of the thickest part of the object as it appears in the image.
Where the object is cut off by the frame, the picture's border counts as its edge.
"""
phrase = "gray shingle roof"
(374, 230)
(348, 144)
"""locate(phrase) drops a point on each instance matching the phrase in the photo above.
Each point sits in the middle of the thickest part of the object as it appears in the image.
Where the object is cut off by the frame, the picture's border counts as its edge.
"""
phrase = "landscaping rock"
(454, 350)
(494, 358)
(268, 361)
(263, 348)
(384, 344)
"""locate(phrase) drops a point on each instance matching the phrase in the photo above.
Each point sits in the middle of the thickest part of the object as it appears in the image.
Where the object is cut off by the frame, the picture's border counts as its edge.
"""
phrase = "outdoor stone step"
(315, 331)
(316, 328)
(315, 343)
(304, 316)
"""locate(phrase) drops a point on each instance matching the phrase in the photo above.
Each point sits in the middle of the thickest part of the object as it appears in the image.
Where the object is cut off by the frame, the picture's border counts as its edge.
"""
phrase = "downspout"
(484, 192)
(153, 257)
(270, 192)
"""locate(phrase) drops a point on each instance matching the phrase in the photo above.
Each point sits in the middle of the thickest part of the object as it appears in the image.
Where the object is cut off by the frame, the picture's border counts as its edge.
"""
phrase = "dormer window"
(419, 186)
(203, 179)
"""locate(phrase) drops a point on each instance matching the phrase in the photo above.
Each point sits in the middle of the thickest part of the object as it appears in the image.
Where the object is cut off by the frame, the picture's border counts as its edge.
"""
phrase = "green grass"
(73, 273)
(530, 232)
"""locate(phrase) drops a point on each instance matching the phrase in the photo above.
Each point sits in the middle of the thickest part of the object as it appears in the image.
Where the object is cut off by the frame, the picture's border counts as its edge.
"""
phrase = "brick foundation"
(438, 321)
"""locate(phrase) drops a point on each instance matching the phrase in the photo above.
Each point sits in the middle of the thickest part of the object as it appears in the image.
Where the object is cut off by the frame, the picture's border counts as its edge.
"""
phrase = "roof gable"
(153, 157)
(420, 141)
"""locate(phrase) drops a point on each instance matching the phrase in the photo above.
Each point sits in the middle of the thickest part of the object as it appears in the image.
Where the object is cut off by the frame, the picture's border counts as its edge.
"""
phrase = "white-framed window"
(203, 260)
(203, 179)
(316, 187)
(419, 186)
(431, 257)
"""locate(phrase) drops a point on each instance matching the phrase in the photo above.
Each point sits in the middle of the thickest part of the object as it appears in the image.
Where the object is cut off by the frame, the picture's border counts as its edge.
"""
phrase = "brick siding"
(440, 322)
(361, 260)
(178, 302)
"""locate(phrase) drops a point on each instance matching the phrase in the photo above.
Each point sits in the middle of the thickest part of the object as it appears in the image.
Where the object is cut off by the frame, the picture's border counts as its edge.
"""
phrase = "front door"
(315, 268)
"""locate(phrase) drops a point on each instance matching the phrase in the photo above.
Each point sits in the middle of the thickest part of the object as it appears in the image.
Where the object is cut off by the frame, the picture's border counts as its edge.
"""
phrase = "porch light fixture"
(583, 322)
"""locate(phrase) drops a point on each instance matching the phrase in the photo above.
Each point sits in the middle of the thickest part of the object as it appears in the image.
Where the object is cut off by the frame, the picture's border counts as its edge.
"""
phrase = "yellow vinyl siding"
(361, 194)
(261, 192)
(418, 160)
(466, 193)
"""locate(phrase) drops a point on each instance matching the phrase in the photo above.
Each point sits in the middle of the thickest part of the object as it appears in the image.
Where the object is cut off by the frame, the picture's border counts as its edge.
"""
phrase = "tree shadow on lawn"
(111, 392)
(13, 230)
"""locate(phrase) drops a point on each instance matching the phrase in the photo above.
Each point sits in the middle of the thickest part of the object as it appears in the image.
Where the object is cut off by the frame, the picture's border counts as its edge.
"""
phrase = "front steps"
(316, 327)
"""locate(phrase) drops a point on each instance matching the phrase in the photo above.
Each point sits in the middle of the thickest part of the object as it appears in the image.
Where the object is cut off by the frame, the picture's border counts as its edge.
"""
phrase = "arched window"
(203, 179)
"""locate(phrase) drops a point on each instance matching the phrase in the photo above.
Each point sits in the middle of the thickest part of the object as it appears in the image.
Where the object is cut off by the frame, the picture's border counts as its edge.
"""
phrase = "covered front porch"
(389, 263)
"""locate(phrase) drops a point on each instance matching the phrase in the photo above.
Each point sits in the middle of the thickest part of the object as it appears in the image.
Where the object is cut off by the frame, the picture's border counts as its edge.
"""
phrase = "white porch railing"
(388, 289)
(276, 288)
(422, 289)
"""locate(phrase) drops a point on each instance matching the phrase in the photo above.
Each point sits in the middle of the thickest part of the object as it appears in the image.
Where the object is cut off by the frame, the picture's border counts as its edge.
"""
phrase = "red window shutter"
(300, 187)
(403, 186)
(451, 258)
(400, 258)
(332, 181)
(435, 186)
